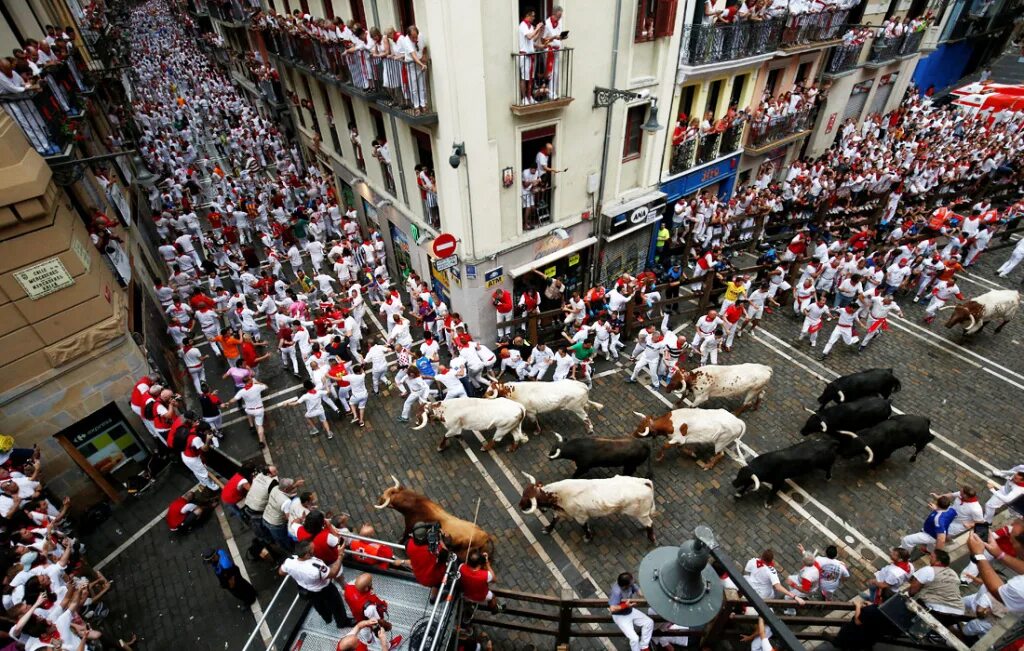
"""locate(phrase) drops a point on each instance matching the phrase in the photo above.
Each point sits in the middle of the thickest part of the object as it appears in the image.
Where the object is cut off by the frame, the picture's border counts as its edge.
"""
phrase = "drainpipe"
(599, 203)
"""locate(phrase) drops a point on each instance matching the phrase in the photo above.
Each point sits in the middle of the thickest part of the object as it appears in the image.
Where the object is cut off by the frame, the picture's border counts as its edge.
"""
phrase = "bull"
(774, 468)
(500, 414)
(694, 428)
(729, 381)
(588, 453)
(881, 440)
(997, 305)
(544, 397)
(460, 535)
(872, 382)
(853, 415)
(583, 499)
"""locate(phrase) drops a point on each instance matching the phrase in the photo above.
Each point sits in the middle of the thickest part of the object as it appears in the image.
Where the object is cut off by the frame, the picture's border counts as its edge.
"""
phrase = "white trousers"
(1009, 265)
(651, 365)
(195, 464)
(503, 332)
(837, 332)
(629, 623)
(915, 539)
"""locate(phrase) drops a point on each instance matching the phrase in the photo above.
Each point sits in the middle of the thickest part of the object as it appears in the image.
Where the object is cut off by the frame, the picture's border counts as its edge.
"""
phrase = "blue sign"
(723, 170)
(494, 273)
(470, 271)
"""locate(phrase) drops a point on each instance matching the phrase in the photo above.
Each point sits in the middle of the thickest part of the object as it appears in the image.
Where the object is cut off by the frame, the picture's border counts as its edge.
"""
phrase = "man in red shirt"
(731, 318)
(427, 566)
(184, 514)
(369, 553)
(475, 577)
(503, 306)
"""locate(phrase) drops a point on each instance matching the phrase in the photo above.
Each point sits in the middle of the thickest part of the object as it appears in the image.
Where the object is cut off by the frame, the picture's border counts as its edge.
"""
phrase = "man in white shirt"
(814, 315)
(968, 510)
(832, 572)
(251, 396)
(312, 399)
(316, 579)
(878, 317)
(760, 573)
(528, 33)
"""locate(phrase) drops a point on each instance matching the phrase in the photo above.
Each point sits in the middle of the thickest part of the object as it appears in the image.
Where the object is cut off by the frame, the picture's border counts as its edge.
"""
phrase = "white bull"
(478, 414)
(583, 499)
(692, 428)
(997, 305)
(544, 397)
(707, 382)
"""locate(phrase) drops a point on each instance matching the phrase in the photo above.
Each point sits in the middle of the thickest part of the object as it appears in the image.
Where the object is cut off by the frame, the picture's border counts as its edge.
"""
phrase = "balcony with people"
(391, 69)
(43, 91)
(739, 30)
(542, 66)
(782, 119)
(703, 141)
(846, 57)
(230, 12)
(896, 38)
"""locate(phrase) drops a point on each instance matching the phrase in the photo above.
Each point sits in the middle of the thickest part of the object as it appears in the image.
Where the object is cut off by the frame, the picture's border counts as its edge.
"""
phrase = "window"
(328, 9)
(305, 6)
(425, 177)
(714, 91)
(542, 8)
(772, 82)
(654, 19)
(310, 106)
(634, 139)
(378, 124)
(353, 132)
(406, 14)
(536, 185)
(382, 149)
(686, 104)
(358, 13)
(335, 141)
(803, 72)
(736, 95)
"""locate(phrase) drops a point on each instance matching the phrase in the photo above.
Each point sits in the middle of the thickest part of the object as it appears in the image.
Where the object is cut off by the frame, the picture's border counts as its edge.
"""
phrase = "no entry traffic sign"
(444, 245)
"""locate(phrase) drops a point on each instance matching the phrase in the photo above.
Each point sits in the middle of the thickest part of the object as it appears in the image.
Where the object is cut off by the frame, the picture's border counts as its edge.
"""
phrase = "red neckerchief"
(966, 500)
(761, 563)
(903, 565)
(396, 36)
(1019, 483)
(554, 22)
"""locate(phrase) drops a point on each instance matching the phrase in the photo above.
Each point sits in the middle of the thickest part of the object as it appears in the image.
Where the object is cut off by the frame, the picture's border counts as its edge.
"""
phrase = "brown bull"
(460, 535)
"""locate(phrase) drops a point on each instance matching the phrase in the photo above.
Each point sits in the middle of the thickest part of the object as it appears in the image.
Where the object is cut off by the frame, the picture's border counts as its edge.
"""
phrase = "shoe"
(917, 299)
(395, 642)
(861, 349)
(630, 380)
(313, 432)
(330, 435)
(403, 419)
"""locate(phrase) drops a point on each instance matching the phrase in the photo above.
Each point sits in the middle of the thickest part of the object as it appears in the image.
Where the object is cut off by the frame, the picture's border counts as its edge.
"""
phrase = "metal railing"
(227, 10)
(732, 137)
(431, 212)
(884, 48)
(708, 146)
(843, 58)
(765, 132)
(542, 76)
(41, 118)
(406, 85)
(911, 43)
(683, 156)
(389, 178)
(704, 44)
(802, 29)
(537, 205)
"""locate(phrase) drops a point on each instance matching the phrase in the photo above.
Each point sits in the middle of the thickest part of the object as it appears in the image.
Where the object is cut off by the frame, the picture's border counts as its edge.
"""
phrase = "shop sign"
(44, 278)
(550, 271)
(690, 183)
(120, 261)
(470, 271)
(494, 277)
(120, 203)
(647, 214)
(106, 441)
(456, 277)
(831, 122)
(440, 276)
(444, 264)
(574, 259)
(639, 216)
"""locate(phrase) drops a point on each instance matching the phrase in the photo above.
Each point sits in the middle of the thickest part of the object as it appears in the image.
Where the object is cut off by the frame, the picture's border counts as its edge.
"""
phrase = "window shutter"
(665, 18)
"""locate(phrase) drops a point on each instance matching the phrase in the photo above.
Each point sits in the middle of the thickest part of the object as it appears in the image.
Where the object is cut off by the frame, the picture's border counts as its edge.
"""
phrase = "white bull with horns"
(502, 415)
(583, 499)
(691, 428)
(544, 397)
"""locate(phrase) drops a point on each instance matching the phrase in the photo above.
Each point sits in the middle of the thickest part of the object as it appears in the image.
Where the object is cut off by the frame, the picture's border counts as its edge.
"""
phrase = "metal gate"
(626, 254)
(858, 98)
(885, 85)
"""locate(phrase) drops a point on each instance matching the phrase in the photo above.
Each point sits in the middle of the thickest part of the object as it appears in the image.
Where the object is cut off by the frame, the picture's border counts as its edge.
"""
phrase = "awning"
(551, 257)
(616, 209)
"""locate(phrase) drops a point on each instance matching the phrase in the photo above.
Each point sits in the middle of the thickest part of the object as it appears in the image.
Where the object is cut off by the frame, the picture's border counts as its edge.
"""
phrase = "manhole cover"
(867, 554)
(797, 497)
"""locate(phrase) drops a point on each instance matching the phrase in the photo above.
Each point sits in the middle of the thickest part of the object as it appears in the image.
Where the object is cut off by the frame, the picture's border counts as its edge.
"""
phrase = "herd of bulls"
(854, 419)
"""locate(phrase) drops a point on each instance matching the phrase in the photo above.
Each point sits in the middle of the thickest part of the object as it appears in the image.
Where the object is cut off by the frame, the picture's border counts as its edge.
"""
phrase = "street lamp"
(680, 584)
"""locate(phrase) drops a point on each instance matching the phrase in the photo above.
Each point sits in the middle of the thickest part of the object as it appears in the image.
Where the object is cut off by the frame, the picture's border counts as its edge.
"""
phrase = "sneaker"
(330, 435)
(403, 419)
(395, 642)
(917, 299)
(630, 380)
(313, 432)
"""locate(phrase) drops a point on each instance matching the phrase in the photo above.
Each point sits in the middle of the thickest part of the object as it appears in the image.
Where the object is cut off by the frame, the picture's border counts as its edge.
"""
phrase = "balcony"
(722, 42)
(843, 59)
(399, 87)
(537, 203)
(702, 149)
(883, 50)
(543, 81)
(45, 122)
(911, 43)
(229, 12)
(771, 132)
(803, 31)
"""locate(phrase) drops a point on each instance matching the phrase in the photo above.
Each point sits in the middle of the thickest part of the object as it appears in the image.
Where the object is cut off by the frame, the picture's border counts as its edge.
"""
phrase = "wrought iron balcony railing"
(804, 29)
(715, 43)
(843, 58)
(770, 130)
(41, 116)
(542, 77)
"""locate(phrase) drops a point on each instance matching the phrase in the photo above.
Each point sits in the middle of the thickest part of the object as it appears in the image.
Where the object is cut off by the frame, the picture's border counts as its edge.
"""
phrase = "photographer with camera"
(365, 605)
(427, 555)
(476, 577)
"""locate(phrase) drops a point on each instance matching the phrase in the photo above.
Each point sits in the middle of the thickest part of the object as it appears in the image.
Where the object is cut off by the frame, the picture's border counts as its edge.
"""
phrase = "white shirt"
(313, 400)
(1012, 594)
(832, 572)
(762, 579)
(525, 43)
(252, 397)
(310, 574)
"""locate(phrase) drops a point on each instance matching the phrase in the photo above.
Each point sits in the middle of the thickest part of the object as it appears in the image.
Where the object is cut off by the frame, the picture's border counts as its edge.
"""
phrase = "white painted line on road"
(982, 279)
(821, 377)
(160, 517)
(236, 556)
(804, 513)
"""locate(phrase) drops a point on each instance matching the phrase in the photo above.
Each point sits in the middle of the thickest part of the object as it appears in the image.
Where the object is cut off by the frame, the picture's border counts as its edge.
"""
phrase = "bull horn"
(810, 411)
(824, 426)
(946, 307)
(757, 482)
(559, 437)
(385, 505)
(639, 415)
(871, 453)
(971, 327)
(533, 506)
(844, 432)
(647, 430)
(423, 421)
(842, 398)
(557, 453)
(398, 484)
(533, 480)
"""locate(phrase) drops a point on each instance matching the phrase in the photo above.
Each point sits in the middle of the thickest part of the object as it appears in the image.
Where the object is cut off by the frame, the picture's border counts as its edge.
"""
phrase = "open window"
(425, 179)
(406, 14)
(537, 183)
(382, 149)
(358, 13)
(353, 132)
(654, 19)
(634, 138)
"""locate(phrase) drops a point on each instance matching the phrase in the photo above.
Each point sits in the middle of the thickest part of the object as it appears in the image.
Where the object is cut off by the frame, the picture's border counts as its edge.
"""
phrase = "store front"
(571, 264)
(630, 235)
(719, 178)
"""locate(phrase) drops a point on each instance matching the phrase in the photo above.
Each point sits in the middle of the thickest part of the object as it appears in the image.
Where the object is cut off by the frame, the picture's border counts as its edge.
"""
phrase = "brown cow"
(460, 535)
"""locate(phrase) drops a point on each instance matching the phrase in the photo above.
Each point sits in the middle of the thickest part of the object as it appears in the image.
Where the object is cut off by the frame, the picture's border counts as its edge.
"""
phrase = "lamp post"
(680, 584)
(605, 98)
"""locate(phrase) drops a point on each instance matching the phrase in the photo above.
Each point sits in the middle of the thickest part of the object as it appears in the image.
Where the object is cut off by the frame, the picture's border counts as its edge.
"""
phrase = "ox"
(854, 415)
(691, 428)
(706, 382)
(881, 440)
(872, 382)
(460, 535)
(582, 499)
(500, 414)
(774, 468)
(589, 453)
(543, 397)
(997, 305)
